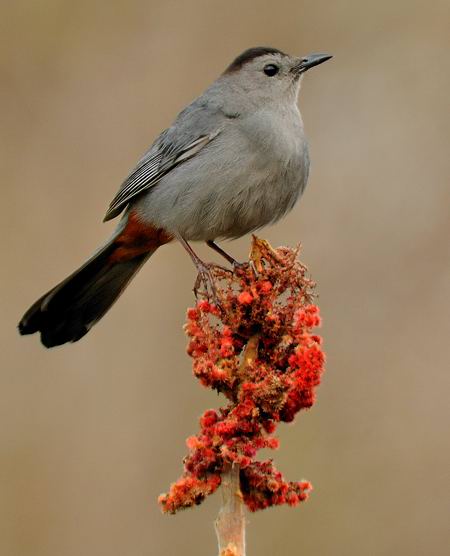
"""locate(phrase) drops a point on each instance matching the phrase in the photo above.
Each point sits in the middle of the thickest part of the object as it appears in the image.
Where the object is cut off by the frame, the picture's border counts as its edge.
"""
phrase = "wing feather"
(156, 164)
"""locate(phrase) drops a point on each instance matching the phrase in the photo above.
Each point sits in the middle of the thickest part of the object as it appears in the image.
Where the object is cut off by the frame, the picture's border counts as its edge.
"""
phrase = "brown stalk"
(230, 523)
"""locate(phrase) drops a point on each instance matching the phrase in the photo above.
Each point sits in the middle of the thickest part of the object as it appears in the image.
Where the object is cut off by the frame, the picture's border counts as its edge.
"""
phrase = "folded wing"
(160, 160)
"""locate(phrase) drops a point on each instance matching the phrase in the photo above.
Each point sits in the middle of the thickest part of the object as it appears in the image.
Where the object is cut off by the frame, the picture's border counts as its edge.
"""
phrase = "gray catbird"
(233, 161)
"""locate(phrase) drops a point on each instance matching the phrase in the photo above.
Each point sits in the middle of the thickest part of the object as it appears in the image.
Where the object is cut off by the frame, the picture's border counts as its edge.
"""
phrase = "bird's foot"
(234, 263)
(240, 267)
(206, 278)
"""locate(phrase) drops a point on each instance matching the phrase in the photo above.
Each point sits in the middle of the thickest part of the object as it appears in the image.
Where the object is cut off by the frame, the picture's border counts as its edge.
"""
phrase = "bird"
(233, 161)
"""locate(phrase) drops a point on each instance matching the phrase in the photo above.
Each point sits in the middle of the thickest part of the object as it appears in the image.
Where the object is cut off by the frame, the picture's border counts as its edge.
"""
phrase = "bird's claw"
(206, 278)
(205, 283)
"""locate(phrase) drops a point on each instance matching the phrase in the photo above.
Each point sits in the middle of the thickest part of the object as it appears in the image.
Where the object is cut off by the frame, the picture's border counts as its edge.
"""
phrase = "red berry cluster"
(257, 348)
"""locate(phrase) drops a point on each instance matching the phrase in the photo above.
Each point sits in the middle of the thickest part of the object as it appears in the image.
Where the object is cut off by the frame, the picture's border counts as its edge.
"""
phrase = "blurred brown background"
(91, 433)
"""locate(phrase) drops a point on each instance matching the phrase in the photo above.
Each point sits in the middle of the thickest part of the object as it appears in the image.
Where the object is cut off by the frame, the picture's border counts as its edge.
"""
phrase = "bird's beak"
(310, 61)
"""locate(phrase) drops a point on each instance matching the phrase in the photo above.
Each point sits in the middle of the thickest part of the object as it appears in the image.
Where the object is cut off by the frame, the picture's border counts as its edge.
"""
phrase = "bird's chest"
(269, 171)
(277, 150)
(276, 136)
(250, 175)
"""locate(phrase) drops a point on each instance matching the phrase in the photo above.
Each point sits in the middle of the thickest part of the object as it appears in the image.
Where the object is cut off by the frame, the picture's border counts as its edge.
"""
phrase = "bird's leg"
(225, 255)
(204, 271)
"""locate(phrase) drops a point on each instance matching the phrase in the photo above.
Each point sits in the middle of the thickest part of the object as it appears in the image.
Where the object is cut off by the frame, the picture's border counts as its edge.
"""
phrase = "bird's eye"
(271, 70)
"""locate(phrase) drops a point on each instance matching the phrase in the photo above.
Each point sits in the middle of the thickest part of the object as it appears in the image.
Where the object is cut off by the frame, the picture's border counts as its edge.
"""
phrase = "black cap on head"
(249, 55)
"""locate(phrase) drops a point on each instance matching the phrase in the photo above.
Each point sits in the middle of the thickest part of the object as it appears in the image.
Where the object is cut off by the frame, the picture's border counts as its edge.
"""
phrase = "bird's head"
(269, 74)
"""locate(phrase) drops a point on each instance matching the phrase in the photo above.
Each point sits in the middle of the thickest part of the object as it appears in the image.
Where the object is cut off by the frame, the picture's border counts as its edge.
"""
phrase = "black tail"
(68, 311)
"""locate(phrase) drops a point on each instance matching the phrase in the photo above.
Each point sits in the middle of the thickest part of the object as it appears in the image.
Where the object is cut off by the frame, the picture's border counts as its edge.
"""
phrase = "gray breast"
(249, 176)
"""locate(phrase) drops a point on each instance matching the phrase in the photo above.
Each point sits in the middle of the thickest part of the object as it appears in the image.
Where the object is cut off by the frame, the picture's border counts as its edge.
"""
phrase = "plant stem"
(230, 523)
